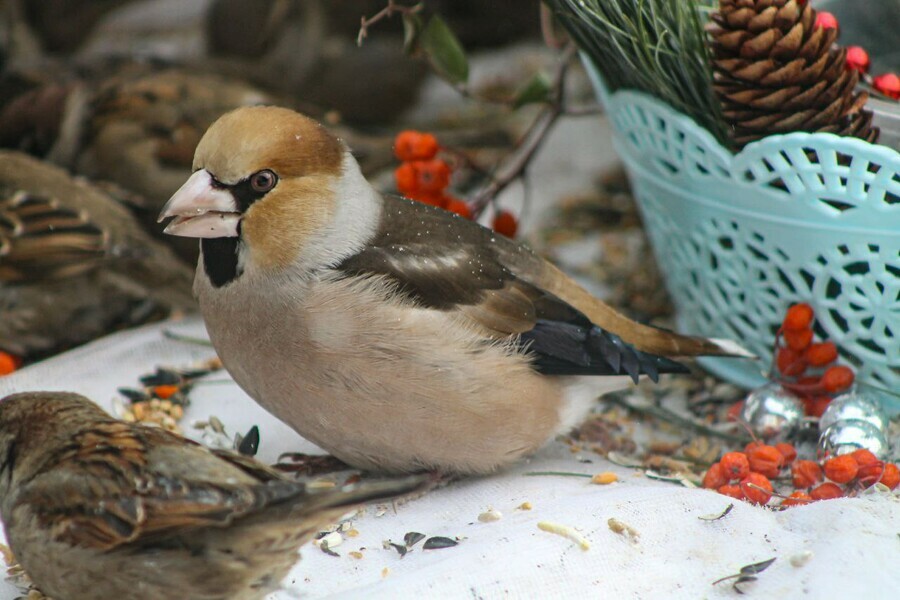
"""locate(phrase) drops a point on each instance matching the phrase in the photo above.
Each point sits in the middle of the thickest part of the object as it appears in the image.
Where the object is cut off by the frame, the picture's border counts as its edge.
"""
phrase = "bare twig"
(466, 92)
(460, 158)
(551, 38)
(385, 13)
(584, 110)
(517, 162)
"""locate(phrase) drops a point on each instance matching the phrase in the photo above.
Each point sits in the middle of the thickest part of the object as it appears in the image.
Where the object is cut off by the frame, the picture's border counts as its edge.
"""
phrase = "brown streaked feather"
(41, 239)
(87, 514)
(248, 465)
(446, 262)
(102, 490)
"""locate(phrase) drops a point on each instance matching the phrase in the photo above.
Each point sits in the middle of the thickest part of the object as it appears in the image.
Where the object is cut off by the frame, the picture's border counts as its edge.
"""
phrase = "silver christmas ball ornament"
(853, 406)
(772, 411)
(843, 437)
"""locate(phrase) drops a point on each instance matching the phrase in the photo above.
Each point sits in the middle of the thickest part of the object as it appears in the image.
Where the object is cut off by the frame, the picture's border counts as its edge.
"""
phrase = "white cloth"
(854, 542)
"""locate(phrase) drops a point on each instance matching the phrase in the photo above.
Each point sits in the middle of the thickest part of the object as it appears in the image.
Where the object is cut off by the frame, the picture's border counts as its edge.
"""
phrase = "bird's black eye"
(263, 181)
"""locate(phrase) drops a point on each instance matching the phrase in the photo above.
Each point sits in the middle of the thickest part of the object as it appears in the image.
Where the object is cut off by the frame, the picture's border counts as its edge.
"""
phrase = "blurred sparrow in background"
(74, 263)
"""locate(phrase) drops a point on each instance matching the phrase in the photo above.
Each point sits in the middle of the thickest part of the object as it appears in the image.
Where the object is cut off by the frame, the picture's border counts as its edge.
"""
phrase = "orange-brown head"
(267, 181)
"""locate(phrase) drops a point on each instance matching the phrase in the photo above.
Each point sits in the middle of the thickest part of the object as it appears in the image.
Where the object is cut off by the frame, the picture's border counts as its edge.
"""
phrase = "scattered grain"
(565, 531)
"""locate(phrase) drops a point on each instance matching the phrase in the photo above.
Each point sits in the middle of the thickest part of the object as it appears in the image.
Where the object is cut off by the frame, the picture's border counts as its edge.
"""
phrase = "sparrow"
(75, 264)
(94, 507)
(396, 336)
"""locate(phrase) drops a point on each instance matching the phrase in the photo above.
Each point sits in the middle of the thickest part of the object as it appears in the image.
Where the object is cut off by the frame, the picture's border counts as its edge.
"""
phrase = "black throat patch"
(220, 259)
(220, 255)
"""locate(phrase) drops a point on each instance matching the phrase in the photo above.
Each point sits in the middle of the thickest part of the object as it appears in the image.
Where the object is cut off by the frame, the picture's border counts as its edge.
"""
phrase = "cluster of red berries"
(803, 366)
(858, 60)
(748, 475)
(424, 177)
(421, 175)
(806, 367)
(8, 363)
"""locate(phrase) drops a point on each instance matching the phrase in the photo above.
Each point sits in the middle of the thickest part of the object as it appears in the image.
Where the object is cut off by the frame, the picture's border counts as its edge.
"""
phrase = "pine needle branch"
(654, 46)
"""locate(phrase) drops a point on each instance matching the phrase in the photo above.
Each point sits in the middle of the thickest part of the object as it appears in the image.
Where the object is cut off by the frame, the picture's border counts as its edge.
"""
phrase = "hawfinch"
(396, 336)
(97, 508)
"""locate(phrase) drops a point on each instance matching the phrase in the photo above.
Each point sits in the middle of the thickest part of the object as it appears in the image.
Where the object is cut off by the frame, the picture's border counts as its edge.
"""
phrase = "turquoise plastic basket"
(791, 218)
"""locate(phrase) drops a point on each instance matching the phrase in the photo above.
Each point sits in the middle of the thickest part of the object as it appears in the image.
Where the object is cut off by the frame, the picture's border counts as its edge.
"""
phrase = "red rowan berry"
(766, 460)
(837, 378)
(787, 451)
(826, 491)
(735, 465)
(414, 145)
(798, 317)
(805, 473)
(816, 406)
(714, 477)
(870, 474)
(841, 469)
(752, 492)
(432, 175)
(891, 476)
(790, 362)
(797, 499)
(864, 457)
(164, 392)
(405, 176)
(798, 340)
(505, 223)
(460, 207)
(8, 363)
(733, 491)
(750, 446)
(870, 468)
(821, 354)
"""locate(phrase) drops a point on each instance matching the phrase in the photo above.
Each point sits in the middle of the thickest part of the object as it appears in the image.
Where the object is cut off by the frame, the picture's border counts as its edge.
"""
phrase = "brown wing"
(119, 484)
(446, 262)
(41, 239)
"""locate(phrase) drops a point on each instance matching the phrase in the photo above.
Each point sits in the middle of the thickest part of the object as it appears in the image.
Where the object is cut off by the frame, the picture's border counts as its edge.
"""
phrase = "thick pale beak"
(201, 210)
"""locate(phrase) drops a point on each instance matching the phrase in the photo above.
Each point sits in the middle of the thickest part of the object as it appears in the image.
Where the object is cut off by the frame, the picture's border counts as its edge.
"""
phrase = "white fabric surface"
(854, 542)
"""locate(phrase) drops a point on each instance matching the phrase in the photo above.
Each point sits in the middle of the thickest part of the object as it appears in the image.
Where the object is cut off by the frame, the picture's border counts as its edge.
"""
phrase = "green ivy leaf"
(444, 51)
(412, 29)
(536, 89)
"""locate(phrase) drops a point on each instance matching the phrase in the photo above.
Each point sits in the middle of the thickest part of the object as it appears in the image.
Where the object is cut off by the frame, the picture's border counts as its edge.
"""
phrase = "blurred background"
(103, 101)
(110, 98)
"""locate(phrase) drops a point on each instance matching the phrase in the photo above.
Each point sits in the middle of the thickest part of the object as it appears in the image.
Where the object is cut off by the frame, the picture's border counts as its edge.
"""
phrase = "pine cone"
(776, 72)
